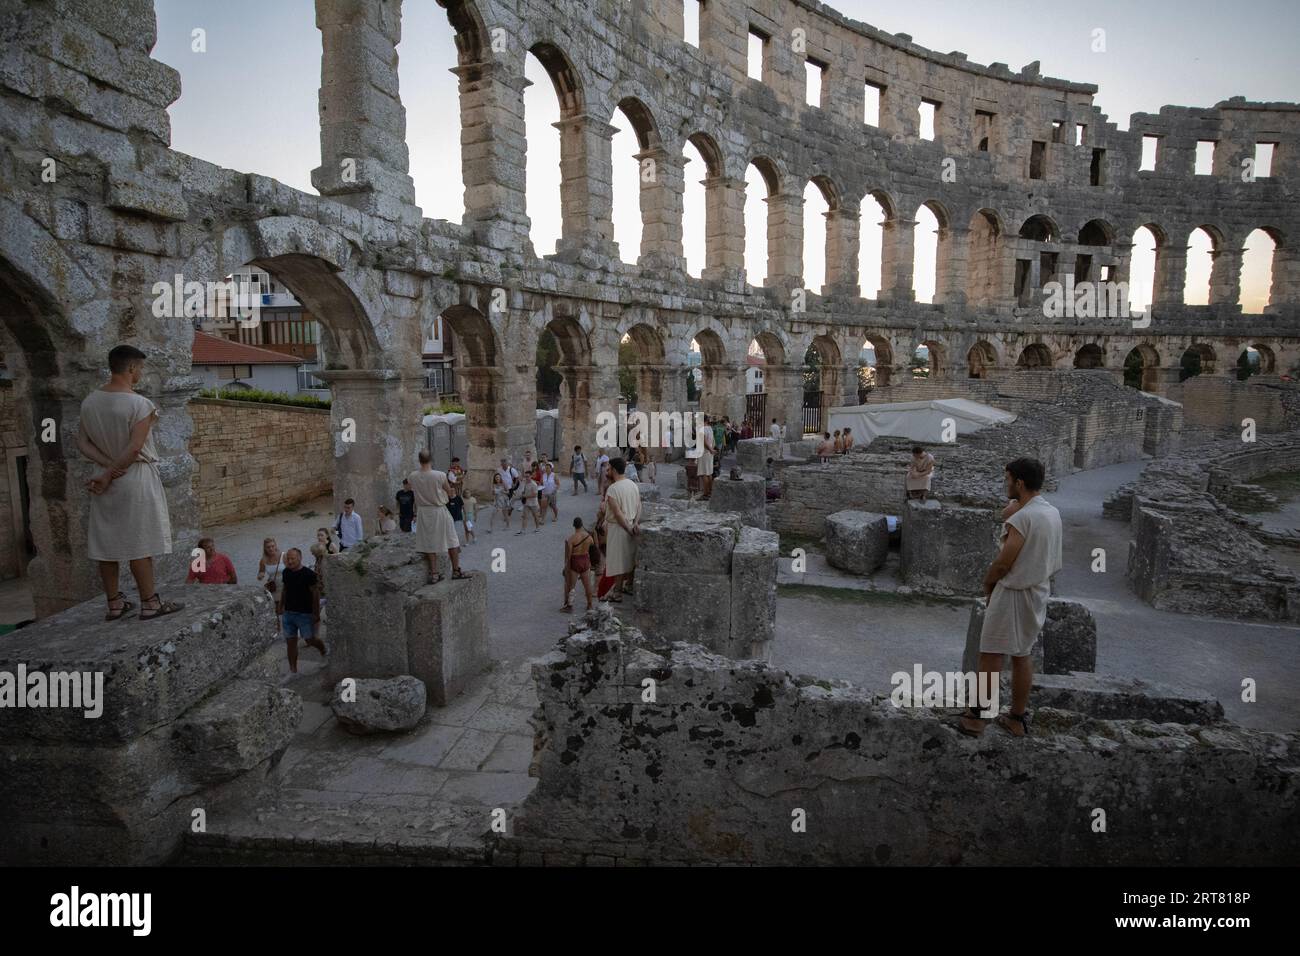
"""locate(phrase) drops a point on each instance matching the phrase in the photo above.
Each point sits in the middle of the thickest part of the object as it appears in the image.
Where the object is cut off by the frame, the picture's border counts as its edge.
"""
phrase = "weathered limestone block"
(375, 706)
(649, 492)
(385, 621)
(803, 448)
(1118, 698)
(857, 541)
(746, 497)
(1066, 644)
(153, 671)
(189, 708)
(706, 773)
(752, 453)
(753, 594)
(703, 577)
(948, 547)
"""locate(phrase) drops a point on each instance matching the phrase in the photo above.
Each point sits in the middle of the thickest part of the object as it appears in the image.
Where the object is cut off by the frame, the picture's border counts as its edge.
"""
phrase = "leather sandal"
(1005, 722)
(115, 614)
(164, 607)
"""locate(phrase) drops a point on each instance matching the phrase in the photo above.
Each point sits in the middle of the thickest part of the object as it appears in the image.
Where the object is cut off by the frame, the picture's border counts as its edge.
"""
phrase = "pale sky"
(249, 101)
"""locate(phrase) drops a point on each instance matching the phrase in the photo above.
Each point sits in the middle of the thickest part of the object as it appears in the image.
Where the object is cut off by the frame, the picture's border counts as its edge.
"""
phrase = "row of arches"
(691, 203)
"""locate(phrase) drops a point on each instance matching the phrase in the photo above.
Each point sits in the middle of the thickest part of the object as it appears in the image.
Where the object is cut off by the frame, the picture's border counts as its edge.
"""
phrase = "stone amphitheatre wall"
(80, 252)
(1190, 551)
(739, 763)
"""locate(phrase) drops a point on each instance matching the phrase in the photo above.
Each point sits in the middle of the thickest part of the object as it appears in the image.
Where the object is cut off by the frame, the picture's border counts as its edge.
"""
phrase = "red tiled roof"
(214, 350)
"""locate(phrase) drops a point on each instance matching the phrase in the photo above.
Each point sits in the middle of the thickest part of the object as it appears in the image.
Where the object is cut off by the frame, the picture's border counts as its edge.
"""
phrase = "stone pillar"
(380, 410)
(1171, 275)
(784, 241)
(1286, 279)
(364, 161)
(842, 251)
(493, 145)
(588, 390)
(952, 255)
(724, 240)
(1225, 278)
(784, 387)
(663, 184)
(586, 189)
(724, 391)
(897, 252)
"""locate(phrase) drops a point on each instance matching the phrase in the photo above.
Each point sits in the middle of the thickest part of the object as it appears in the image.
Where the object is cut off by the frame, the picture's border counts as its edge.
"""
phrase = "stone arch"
(882, 374)
(1199, 281)
(472, 45)
(703, 199)
(1142, 367)
(1035, 355)
(633, 194)
(937, 358)
(984, 282)
(1197, 359)
(564, 77)
(1260, 269)
(720, 392)
(1040, 228)
(942, 252)
(1267, 362)
(643, 368)
(818, 230)
(981, 360)
(781, 232)
(1090, 356)
(822, 387)
(872, 234)
(579, 386)
(1096, 232)
(37, 346)
(1145, 265)
(480, 382)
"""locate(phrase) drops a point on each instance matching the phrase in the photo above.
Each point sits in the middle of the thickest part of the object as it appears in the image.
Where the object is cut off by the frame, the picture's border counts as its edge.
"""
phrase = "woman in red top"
(215, 567)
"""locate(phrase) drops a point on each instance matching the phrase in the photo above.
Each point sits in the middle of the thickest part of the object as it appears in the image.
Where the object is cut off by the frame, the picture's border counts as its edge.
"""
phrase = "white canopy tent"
(919, 421)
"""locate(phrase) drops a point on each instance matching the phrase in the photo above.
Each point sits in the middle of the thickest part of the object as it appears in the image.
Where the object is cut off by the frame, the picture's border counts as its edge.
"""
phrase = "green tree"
(548, 379)
(628, 359)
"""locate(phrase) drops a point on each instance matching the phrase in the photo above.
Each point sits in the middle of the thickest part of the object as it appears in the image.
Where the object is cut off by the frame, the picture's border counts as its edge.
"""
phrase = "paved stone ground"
(866, 637)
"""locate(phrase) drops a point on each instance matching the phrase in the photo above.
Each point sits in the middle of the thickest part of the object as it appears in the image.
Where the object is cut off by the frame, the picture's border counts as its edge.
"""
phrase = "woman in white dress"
(128, 507)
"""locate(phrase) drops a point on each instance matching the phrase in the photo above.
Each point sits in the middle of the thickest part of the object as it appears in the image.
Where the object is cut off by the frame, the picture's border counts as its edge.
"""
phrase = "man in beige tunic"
(1017, 587)
(623, 524)
(128, 508)
(435, 532)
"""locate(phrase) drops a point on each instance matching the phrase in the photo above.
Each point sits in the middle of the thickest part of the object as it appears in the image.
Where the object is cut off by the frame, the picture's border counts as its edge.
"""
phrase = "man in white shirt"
(1017, 587)
(509, 475)
(777, 434)
(349, 526)
(602, 480)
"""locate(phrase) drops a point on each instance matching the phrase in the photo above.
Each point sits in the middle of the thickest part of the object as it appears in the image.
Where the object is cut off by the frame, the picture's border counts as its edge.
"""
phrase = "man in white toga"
(1017, 587)
(128, 507)
(435, 532)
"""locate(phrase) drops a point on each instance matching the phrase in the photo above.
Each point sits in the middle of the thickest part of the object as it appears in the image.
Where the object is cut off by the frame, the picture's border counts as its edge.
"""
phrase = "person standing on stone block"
(824, 449)
(128, 507)
(848, 440)
(435, 532)
(299, 607)
(623, 524)
(1017, 587)
(704, 467)
(919, 473)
